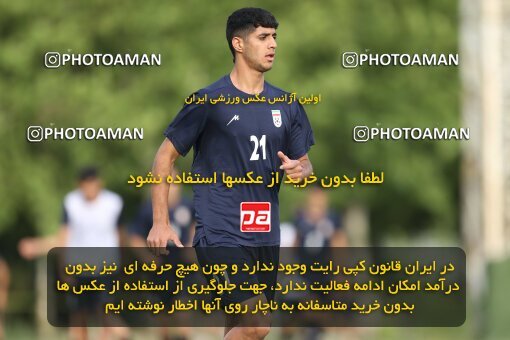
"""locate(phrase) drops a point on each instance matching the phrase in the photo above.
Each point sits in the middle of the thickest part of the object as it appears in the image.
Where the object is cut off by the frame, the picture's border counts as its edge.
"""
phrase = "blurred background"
(435, 193)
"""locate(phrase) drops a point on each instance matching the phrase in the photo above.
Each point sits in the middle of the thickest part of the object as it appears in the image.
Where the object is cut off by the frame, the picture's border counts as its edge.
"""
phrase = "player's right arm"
(161, 232)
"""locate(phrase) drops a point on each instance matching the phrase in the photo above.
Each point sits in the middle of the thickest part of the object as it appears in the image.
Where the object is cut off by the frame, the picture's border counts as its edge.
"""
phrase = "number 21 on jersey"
(258, 143)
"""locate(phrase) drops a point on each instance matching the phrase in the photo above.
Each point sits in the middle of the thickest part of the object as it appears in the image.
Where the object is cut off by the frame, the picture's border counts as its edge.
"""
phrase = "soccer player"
(319, 228)
(317, 224)
(90, 218)
(236, 139)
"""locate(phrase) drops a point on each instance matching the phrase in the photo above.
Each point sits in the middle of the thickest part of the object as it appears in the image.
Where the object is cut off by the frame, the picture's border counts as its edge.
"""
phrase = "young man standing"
(91, 218)
(237, 139)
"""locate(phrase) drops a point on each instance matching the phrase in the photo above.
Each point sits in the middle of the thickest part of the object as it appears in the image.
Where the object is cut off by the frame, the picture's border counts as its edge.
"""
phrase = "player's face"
(260, 49)
(90, 188)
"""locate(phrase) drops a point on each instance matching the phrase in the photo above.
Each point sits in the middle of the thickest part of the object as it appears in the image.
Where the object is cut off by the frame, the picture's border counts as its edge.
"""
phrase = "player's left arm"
(296, 168)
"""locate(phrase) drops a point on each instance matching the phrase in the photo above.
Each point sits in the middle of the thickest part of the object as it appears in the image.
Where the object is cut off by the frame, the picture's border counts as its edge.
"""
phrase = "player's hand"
(293, 168)
(159, 236)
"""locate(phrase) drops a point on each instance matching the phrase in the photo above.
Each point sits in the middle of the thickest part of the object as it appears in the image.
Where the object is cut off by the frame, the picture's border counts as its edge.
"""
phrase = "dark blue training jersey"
(236, 139)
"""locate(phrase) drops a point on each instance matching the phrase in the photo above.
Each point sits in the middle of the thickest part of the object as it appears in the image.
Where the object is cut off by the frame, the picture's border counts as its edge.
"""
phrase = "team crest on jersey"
(277, 118)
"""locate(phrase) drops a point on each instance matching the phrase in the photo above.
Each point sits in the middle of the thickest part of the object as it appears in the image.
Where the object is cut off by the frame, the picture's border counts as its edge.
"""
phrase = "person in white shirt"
(91, 218)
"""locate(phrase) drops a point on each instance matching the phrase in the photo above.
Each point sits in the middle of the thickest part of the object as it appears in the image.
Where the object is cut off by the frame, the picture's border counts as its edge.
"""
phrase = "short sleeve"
(186, 127)
(301, 134)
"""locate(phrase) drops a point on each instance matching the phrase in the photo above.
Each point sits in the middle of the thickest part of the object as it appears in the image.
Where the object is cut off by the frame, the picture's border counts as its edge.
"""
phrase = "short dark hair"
(88, 173)
(246, 20)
